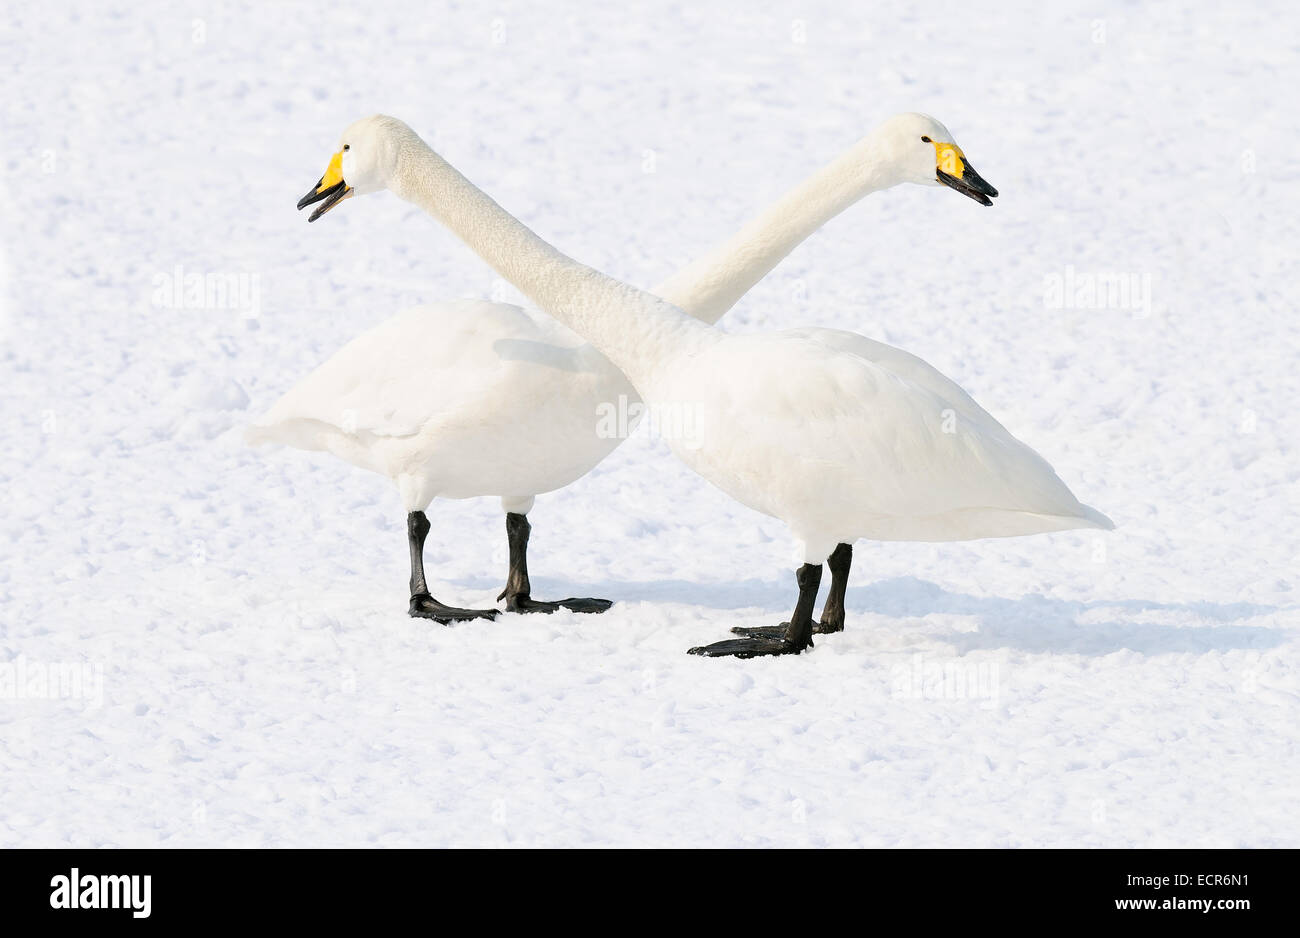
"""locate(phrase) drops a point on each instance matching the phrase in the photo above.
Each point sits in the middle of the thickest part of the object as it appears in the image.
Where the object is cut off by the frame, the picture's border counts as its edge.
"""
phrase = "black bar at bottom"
(339, 888)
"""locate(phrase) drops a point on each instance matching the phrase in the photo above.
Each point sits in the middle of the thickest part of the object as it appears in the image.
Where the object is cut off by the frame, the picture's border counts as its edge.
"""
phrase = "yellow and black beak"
(331, 188)
(955, 172)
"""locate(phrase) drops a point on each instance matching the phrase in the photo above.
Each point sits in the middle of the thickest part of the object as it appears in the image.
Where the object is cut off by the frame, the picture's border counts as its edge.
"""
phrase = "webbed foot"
(825, 627)
(753, 647)
(528, 604)
(424, 606)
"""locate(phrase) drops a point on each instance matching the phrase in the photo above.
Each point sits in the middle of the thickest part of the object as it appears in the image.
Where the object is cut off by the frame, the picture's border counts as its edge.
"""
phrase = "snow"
(248, 675)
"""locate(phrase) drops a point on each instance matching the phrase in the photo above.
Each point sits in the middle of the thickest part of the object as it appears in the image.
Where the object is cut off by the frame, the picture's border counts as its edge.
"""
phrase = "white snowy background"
(245, 610)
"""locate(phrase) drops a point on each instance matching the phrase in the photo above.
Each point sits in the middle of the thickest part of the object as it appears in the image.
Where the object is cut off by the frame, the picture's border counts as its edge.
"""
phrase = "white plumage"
(456, 400)
(837, 435)
(843, 437)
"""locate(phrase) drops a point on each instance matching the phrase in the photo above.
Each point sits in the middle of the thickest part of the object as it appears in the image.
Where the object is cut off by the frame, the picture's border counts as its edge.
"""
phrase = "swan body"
(457, 400)
(839, 437)
(843, 438)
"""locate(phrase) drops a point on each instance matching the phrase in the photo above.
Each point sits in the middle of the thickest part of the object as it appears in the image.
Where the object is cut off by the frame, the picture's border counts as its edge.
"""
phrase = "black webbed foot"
(823, 627)
(517, 591)
(789, 638)
(424, 606)
(774, 632)
(754, 647)
(586, 604)
(528, 604)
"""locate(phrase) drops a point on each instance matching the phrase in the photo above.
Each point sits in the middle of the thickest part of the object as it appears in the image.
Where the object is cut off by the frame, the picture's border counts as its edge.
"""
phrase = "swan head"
(366, 161)
(922, 151)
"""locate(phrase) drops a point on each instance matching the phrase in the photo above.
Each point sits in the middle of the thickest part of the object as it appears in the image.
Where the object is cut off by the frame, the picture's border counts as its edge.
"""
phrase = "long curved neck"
(711, 285)
(633, 329)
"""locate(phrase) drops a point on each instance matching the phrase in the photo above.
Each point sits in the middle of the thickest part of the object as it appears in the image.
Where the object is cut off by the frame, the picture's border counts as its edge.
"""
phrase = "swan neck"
(711, 285)
(634, 330)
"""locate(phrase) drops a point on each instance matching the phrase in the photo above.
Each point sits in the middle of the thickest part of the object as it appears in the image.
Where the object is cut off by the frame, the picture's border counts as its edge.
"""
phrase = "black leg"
(518, 591)
(832, 612)
(423, 605)
(796, 636)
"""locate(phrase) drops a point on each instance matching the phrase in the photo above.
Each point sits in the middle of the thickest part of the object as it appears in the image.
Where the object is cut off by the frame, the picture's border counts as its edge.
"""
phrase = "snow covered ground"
(237, 617)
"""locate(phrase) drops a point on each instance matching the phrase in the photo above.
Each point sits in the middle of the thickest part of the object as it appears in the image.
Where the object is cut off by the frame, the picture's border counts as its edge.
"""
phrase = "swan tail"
(299, 432)
(319, 436)
(1096, 519)
(260, 434)
(1033, 522)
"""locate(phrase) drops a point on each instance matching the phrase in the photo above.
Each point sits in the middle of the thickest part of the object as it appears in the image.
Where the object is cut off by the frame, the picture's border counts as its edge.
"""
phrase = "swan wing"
(898, 362)
(446, 360)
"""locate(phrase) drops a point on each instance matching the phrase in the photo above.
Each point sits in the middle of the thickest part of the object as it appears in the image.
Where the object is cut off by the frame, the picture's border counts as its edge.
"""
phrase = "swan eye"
(347, 146)
(924, 139)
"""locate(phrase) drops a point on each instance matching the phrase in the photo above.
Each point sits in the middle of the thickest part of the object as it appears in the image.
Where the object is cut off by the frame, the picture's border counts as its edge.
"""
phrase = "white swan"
(471, 398)
(837, 436)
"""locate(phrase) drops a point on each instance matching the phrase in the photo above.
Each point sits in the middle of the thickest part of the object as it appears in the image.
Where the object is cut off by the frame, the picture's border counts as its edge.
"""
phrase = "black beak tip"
(315, 195)
(328, 199)
(980, 184)
(971, 184)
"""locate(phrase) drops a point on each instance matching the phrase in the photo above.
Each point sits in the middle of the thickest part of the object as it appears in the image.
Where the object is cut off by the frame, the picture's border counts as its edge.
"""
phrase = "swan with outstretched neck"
(468, 398)
(837, 436)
